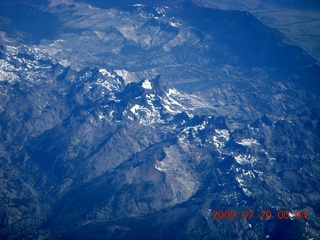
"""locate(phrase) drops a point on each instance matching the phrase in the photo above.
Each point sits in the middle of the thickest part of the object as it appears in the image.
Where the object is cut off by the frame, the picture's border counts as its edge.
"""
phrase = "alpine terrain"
(155, 120)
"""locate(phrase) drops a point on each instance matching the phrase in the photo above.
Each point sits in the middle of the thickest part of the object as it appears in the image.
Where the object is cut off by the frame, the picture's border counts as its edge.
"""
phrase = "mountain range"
(137, 121)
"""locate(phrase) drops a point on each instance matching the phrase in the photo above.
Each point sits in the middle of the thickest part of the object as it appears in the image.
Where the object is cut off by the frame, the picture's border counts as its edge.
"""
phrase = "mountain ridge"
(109, 151)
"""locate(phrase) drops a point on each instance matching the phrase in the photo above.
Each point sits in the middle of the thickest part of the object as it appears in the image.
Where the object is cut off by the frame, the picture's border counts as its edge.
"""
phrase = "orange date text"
(262, 214)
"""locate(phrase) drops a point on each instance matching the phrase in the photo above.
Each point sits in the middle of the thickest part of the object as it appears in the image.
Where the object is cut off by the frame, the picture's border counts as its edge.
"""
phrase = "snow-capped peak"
(147, 84)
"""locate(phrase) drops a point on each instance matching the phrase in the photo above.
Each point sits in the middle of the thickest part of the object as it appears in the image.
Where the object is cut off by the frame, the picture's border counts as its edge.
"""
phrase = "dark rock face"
(95, 153)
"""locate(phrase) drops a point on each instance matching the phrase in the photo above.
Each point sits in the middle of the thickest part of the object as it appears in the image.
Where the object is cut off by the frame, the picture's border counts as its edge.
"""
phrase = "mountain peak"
(156, 85)
(146, 84)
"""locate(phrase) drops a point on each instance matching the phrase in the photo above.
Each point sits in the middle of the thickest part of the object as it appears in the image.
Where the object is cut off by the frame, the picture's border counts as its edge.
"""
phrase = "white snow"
(246, 191)
(6, 66)
(127, 76)
(145, 115)
(217, 143)
(221, 138)
(135, 108)
(150, 97)
(161, 168)
(173, 105)
(240, 181)
(174, 24)
(249, 173)
(160, 10)
(176, 102)
(173, 91)
(223, 133)
(248, 142)
(6, 72)
(12, 50)
(170, 106)
(104, 72)
(242, 178)
(147, 84)
(111, 113)
(245, 159)
(101, 116)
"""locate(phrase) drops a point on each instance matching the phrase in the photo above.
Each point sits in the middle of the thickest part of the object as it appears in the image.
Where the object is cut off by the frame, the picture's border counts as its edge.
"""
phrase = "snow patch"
(146, 84)
(246, 159)
(175, 24)
(221, 138)
(101, 116)
(217, 143)
(160, 10)
(104, 72)
(223, 133)
(248, 142)
(242, 182)
(173, 91)
(161, 168)
(145, 115)
(135, 108)
(127, 76)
